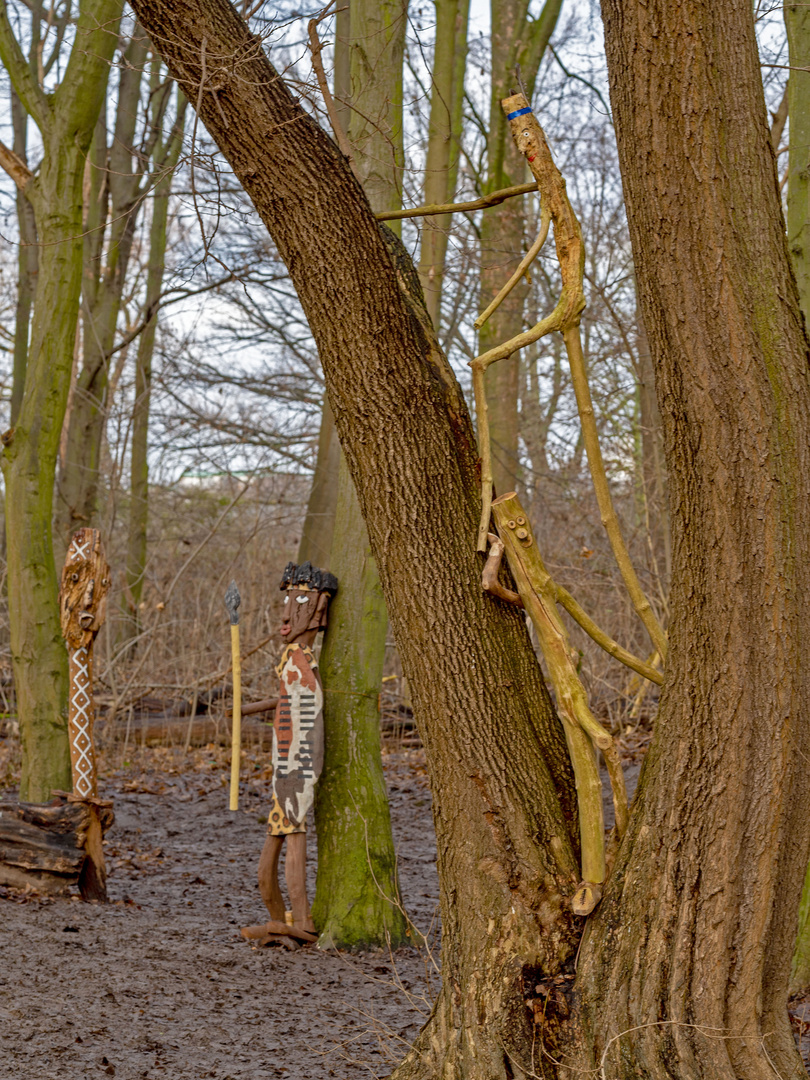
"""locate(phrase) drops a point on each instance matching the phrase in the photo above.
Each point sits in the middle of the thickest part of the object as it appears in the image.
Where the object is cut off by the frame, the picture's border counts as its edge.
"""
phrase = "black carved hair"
(307, 574)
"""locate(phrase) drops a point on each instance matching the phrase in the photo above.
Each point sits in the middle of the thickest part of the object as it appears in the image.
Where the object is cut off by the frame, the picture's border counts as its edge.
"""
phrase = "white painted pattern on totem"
(81, 718)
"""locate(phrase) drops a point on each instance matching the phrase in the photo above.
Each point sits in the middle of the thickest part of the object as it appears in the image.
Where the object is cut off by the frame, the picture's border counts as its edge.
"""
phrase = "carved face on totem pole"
(306, 604)
(84, 588)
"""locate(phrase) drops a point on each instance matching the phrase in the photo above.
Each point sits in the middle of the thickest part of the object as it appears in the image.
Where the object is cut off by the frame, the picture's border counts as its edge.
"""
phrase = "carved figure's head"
(306, 604)
(84, 588)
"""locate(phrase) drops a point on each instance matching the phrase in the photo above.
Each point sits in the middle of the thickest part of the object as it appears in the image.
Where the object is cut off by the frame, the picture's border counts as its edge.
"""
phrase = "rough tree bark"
(684, 967)
(66, 120)
(797, 24)
(505, 848)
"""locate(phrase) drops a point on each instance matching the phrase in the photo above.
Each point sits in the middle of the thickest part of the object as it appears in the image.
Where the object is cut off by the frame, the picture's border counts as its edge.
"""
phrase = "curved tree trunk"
(495, 749)
(684, 968)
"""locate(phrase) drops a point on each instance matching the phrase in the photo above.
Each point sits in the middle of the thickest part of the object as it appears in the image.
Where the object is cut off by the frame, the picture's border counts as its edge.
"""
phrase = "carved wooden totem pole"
(297, 752)
(83, 601)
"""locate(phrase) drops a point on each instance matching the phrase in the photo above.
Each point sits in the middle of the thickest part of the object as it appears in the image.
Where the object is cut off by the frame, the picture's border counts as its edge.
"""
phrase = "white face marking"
(286, 599)
(302, 599)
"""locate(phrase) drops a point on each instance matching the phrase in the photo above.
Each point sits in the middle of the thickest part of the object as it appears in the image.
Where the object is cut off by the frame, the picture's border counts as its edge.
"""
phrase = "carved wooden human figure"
(297, 750)
(83, 601)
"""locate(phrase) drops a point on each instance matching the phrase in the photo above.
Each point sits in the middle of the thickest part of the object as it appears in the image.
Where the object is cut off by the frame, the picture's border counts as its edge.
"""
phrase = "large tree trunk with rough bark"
(797, 23)
(683, 970)
(684, 967)
(495, 749)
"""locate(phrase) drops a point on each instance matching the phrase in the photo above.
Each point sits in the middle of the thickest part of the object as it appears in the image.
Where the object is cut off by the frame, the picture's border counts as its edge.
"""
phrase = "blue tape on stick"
(520, 112)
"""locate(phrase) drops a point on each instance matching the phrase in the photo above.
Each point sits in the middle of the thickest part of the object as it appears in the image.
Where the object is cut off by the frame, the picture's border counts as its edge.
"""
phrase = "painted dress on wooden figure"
(297, 740)
(298, 744)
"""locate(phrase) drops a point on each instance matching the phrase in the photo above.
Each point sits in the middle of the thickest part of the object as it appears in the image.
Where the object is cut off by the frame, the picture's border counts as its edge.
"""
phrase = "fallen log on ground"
(45, 847)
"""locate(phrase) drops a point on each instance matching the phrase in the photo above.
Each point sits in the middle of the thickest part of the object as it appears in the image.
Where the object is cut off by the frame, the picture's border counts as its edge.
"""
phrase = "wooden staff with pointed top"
(232, 602)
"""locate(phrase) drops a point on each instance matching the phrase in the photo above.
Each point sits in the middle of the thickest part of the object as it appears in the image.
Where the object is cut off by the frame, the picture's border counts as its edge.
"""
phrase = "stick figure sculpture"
(297, 750)
(83, 600)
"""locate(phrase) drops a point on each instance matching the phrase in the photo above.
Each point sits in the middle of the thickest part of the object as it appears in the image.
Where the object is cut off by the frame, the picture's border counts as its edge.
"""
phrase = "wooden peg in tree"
(83, 606)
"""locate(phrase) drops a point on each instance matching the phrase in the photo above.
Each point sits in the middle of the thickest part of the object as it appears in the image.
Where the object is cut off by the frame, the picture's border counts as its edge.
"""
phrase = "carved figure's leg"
(268, 877)
(296, 877)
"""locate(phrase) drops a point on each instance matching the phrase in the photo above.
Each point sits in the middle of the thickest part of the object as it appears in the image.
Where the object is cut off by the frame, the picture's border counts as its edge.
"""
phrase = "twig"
(432, 209)
(525, 263)
(315, 48)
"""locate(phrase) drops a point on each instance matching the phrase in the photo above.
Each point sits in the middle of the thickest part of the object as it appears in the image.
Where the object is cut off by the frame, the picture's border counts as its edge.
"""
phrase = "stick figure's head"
(306, 604)
(84, 588)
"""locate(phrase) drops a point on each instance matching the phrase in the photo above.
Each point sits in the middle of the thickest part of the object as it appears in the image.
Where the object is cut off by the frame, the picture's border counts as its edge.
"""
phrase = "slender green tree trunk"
(444, 139)
(27, 261)
(797, 22)
(516, 39)
(113, 206)
(319, 523)
(357, 900)
(351, 810)
(66, 121)
(168, 156)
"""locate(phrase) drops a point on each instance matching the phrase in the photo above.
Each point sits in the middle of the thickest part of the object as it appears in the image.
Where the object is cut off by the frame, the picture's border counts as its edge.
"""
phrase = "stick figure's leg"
(296, 877)
(268, 876)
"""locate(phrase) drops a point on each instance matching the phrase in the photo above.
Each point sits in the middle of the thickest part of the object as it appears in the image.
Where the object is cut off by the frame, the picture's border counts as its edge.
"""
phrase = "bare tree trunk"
(27, 262)
(169, 155)
(319, 523)
(516, 38)
(357, 899)
(114, 204)
(684, 968)
(507, 859)
(66, 121)
(654, 470)
(444, 139)
(797, 23)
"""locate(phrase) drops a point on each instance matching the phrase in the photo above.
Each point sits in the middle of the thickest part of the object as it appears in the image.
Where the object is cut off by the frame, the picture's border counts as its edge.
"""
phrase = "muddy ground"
(159, 983)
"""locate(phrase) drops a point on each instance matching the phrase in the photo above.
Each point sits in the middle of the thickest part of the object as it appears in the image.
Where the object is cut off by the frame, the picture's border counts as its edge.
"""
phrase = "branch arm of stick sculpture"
(491, 584)
(83, 608)
(583, 732)
(531, 141)
(525, 263)
(232, 602)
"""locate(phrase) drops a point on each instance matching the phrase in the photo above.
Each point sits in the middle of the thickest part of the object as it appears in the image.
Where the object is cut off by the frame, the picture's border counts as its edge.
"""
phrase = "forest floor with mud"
(158, 983)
